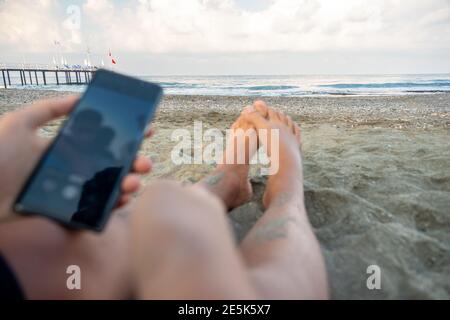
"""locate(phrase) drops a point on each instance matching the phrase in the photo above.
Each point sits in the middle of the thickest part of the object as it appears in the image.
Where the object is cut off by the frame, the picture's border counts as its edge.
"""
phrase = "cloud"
(210, 26)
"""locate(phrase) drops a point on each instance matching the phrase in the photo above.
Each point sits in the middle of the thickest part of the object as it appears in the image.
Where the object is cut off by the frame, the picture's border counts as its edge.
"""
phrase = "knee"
(175, 199)
(170, 211)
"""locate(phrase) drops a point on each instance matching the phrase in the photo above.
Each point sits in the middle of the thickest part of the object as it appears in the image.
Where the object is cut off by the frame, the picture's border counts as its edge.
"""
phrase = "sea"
(288, 85)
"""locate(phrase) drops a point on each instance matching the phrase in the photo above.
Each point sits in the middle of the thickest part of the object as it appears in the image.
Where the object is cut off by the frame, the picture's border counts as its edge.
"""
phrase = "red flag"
(113, 61)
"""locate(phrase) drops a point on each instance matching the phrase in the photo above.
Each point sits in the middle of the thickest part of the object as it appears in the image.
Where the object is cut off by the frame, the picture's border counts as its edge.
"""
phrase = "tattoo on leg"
(274, 229)
(214, 179)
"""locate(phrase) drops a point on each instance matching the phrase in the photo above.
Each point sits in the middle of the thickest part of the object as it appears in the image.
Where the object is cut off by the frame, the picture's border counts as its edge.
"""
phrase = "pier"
(11, 76)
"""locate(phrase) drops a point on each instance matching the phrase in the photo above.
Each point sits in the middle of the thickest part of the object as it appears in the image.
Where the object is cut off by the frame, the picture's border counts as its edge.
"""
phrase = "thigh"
(183, 246)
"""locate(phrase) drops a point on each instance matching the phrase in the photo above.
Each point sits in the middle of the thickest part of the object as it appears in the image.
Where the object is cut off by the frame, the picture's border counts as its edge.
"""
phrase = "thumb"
(44, 111)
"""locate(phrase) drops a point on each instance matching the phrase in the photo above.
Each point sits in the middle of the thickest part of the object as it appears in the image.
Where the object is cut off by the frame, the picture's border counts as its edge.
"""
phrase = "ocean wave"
(269, 88)
(389, 85)
(178, 85)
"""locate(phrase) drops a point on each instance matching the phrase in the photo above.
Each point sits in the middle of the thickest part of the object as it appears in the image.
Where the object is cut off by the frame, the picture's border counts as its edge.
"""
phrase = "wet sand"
(377, 181)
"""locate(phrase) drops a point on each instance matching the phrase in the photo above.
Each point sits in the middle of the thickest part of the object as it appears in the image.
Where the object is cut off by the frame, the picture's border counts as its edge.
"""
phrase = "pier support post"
(36, 77)
(24, 77)
(57, 79)
(45, 79)
(9, 78)
(31, 79)
(21, 79)
(4, 79)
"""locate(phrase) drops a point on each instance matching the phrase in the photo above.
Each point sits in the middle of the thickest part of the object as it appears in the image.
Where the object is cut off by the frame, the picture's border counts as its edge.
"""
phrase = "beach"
(377, 180)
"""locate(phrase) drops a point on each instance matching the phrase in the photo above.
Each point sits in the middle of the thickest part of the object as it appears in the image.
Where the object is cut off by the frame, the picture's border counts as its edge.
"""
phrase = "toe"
(290, 124)
(248, 109)
(235, 125)
(262, 108)
(272, 115)
(283, 117)
(256, 120)
(297, 133)
(239, 122)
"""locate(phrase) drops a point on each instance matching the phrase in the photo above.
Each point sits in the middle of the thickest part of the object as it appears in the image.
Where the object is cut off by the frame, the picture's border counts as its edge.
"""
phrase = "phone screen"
(78, 180)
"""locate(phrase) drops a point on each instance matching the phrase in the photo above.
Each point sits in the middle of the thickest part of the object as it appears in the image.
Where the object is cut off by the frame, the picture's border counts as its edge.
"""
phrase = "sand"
(377, 181)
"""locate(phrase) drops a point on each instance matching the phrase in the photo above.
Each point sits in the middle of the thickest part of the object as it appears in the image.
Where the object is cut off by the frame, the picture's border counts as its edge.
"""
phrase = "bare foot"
(286, 186)
(230, 181)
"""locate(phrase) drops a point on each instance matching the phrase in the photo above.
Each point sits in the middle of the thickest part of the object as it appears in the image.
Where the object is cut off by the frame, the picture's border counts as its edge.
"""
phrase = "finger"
(131, 184)
(44, 111)
(149, 133)
(262, 108)
(142, 165)
(123, 200)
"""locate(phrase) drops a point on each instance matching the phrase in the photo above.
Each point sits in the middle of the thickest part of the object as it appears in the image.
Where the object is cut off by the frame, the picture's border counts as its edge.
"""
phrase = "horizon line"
(292, 75)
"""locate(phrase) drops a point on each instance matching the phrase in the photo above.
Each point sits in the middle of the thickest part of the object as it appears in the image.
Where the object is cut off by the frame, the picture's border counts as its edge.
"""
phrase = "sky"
(215, 37)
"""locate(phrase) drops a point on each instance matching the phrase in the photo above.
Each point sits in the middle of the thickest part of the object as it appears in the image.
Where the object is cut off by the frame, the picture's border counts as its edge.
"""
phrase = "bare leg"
(40, 252)
(183, 247)
(281, 251)
(230, 181)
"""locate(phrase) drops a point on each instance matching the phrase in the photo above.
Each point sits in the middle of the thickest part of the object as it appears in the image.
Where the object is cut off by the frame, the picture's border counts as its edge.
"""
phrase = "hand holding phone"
(77, 181)
(21, 147)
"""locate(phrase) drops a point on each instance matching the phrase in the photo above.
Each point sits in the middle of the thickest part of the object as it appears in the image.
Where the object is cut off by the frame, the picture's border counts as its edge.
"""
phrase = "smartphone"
(78, 180)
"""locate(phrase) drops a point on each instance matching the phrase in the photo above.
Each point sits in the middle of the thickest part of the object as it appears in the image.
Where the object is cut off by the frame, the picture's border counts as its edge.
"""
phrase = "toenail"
(249, 109)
